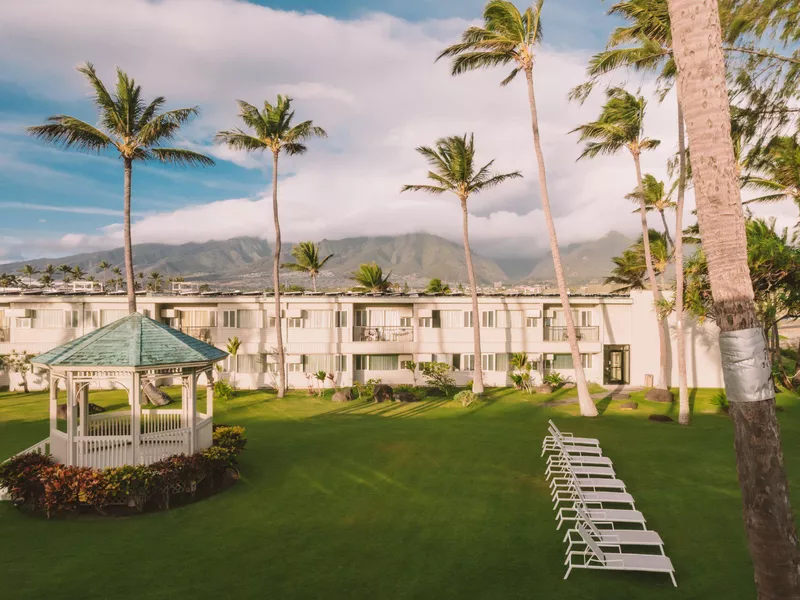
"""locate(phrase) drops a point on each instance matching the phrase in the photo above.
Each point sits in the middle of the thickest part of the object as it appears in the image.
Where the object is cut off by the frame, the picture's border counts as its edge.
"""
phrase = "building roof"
(133, 341)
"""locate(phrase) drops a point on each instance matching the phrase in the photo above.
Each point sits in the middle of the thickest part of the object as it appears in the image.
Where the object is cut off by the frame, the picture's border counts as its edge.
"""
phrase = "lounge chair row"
(608, 533)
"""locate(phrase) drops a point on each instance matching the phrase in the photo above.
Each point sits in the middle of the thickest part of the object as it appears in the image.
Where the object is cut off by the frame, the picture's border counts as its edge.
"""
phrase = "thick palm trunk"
(276, 281)
(314, 282)
(684, 412)
(477, 381)
(588, 409)
(767, 512)
(663, 376)
(126, 233)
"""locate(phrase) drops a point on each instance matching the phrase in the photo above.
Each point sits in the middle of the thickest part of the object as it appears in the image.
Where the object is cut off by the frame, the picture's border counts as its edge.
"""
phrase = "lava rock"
(342, 396)
(629, 406)
(403, 396)
(659, 395)
(382, 393)
(155, 396)
(660, 418)
(545, 389)
(620, 396)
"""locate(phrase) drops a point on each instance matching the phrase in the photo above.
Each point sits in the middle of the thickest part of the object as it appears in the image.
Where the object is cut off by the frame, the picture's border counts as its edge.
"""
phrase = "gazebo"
(132, 352)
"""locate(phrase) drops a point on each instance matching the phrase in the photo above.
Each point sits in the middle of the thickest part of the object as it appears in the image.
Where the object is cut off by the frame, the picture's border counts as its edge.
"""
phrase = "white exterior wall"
(621, 320)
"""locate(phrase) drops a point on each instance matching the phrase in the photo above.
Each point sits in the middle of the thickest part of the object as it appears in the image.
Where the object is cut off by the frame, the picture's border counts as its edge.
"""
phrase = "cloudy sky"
(362, 69)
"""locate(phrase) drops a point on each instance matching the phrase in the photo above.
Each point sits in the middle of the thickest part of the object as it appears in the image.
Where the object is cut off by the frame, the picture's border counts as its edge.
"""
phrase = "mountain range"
(415, 258)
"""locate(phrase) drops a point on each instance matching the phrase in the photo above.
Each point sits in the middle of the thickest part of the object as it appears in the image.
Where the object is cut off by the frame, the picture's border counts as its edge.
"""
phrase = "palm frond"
(431, 189)
(239, 140)
(181, 156)
(110, 115)
(164, 126)
(69, 132)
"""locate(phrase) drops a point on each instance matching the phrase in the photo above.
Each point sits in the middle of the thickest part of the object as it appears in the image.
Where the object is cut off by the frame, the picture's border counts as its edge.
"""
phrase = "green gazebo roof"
(133, 341)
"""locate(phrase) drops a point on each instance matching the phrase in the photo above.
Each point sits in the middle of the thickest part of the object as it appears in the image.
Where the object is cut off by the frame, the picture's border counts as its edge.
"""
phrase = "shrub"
(720, 400)
(223, 390)
(20, 476)
(366, 390)
(129, 485)
(230, 437)
(466, 397)
(554, 379)
(437, 375)
(410, 389)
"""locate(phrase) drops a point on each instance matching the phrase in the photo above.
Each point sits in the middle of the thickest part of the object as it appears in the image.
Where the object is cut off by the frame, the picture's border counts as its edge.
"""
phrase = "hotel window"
(501, 362)
(468, 362)
(48, 319)
(487, 362)
(109, 316)
(451, 319)
(376, 362)
(250, 363)
(435, 320)
(405, 322)
(318, 319)
(468, 320)
(341, 318)
(71, 318)
(361, 318)
(509, 319)
(294, 367)
(91, 318)
(425, 322)
(487, 318)
(586, 361)
(249, 319)
(562, 361)
(531, 322)
(229, 319)
(296, 322)
(340, 364)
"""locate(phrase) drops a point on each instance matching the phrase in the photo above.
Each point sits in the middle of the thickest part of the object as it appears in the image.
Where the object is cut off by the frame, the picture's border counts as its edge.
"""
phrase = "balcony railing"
(383, 334)
(559, 334)
(5, 334)
(203, 333)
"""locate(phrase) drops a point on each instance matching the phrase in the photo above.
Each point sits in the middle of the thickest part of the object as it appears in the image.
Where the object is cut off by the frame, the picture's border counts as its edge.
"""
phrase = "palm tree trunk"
(662, 382)
(588, 409)
(126, 231)
(477, 380)
(684, 410)
(767, 511)
(670, 242)
(314, 282)
(276, 266)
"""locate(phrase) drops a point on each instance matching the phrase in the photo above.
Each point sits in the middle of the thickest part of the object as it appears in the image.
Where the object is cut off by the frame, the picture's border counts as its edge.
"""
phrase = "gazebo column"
(191, 392)
(136, 416)
(83, 401)
(53, 402)
(210, 392)
(71, 458)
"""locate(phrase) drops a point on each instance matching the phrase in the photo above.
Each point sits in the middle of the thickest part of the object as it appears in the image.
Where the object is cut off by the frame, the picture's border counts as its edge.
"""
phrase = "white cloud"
(372, 84)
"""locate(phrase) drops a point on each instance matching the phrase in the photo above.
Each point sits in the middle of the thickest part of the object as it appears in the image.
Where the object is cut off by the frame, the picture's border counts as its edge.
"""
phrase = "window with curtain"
(487, 362)
(562, 361)
(377, 362)
(487, 318)
(341, 318)
(531, 322)
(109, 316)
(468, 320)
(501, 362)
(250, 363)
(70, 318)
(48, 319)
(313, 363)
(198, 318)
(451, 319)
(229, 319)
(468, 362)
(249, 319)
(318, 319)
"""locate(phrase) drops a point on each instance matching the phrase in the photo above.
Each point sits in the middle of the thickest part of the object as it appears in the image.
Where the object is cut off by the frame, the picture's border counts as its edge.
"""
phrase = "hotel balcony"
(203, 333)
(559, 334)
(383, 334)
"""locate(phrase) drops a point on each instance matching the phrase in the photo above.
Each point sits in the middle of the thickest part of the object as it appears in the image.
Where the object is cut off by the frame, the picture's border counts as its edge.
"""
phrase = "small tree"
(233, 350)
(322, 377)
(522, 372)
(410, 365)
(19, 362)
(438, 375)
(436, 286)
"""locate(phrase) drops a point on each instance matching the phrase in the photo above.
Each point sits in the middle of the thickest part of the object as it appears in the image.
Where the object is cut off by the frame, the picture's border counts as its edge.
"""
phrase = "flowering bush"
(36, 482)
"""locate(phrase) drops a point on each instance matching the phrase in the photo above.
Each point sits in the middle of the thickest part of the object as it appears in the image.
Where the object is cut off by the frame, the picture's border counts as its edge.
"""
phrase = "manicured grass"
(427, 500)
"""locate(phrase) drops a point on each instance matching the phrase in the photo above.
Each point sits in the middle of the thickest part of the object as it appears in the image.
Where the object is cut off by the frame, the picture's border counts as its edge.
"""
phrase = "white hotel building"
(361, 337)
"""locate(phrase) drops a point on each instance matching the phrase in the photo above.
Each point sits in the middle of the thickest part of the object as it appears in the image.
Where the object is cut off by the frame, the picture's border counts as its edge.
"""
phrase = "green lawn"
(428, 500)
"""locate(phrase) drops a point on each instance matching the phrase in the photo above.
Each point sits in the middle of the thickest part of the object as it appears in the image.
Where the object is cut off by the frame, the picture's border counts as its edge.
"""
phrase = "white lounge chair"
(610, 517)
(594, 558)
(581, 473)
(592, 499)
(560, 463)
(614, 538)
(548, 443)
(588, 484)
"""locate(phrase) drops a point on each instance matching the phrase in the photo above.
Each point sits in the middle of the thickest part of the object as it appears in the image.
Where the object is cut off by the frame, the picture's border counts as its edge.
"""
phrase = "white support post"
(210, 392)
(184, 403)
(83, 398)
(192, 394)
(53, 402)
(70, 419)
(136, 412)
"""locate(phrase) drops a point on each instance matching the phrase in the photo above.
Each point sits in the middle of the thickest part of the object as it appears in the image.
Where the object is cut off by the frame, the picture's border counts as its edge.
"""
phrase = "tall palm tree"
(155, 281)
(78, 274)
(65, 270)
(453, 170)
(655, 198)
(117, 277)
(29, 271)
(8, 280)
(273, 131)
(509, 37)
(621, 126)
(49, 270)
(630, 270)
(435, 286)
(767, 511)
(776, 171)
(307, 259)
(104, 265)
(370, 278)
(135, 129)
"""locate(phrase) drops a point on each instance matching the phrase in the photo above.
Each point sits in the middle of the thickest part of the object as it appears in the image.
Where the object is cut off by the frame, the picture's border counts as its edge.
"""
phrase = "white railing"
(42, 447)
(205, 428)
(119, 423)
(162, 444)
(103, 451)
(161, 420)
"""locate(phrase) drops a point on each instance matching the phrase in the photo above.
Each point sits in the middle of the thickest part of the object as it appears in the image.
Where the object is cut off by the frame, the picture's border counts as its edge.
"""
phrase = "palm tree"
(155, 281)
(453, 170)
(78, 274)
(511, 37)
(117, 277)
(29, 271)
(104, 265)
(233, 349)
(307, 259)
(630, 270)
(65, 270)
(370, 278)
(767, 511)
(621, 126)
(49, 270)
(140, 277)
(8, 280)
(655, 198)
(776, 171)
(46, 281)
(273, 132)
(136, 130)
(435, 286)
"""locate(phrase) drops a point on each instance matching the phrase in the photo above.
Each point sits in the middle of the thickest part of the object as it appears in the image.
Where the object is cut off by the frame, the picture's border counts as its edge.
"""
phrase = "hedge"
(37, 483)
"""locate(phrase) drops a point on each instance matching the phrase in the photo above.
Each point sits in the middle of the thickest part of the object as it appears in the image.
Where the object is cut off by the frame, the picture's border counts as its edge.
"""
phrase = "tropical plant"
(412, 366)
(522, 372)
(135, 129)
(370, 278)
(104, 265)
(8, 280)
(439, 375)
(621, 126)
(29, 271)
(49, 270)
(19, 362)
(155, 281)
(435, 286)
(307, 260)
(273, 131)
(554, 379)
(509, 37)
(65, 270)
(117, 277)
(322, 377)
(453, 170)
(466, 398)
(232, 348)
(768, 517)
(776, 171)
(46, 281)
(656, 198)
(630, 270)
(78, 274)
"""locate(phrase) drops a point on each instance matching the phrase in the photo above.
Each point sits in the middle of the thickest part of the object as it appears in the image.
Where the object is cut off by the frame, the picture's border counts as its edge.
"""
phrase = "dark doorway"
(617, 365)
